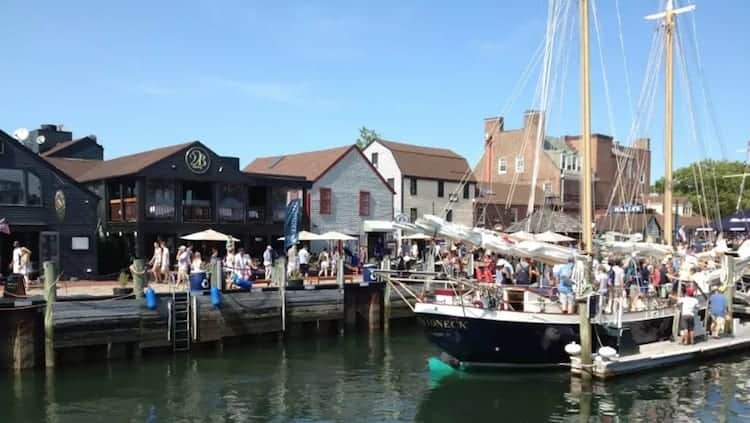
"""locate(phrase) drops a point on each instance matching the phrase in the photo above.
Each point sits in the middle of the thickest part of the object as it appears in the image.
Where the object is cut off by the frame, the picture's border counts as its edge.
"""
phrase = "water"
(361, 378)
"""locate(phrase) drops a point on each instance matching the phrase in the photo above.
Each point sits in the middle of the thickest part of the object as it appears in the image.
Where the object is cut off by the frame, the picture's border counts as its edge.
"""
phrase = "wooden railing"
(125, 211)
(231, 214)
(256, 213)
(196, 214)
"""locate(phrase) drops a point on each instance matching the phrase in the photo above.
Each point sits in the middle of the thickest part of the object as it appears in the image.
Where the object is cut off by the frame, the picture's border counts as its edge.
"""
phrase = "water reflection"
(363, 378)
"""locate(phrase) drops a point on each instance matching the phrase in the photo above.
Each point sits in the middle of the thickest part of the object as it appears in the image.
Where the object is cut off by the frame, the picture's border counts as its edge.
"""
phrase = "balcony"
(156, 211)
(231, 214)
(123, 211)
(196, 214)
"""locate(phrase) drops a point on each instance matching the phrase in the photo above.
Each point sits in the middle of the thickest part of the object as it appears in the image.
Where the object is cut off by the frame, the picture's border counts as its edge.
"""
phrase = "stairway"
(180, 321)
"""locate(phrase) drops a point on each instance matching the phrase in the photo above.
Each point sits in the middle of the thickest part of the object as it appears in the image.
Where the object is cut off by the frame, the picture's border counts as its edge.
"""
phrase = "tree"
(366, 137)
(707, 178)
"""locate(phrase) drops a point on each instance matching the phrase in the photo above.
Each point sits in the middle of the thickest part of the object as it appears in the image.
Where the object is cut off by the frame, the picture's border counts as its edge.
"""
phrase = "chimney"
(531, 119)
(48, 136)
(493, 125)
(642, 143)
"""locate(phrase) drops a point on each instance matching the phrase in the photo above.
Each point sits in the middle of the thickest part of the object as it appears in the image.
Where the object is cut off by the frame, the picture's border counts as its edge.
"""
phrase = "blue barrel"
(215, 296)
(150, 298)
(198, 281)
(367, 273)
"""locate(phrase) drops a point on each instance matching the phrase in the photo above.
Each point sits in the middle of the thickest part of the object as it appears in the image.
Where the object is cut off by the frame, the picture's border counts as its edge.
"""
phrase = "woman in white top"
(183, 265)
(197, 264)
(25, 266)
(164, 260)
(155, 263)
(325, 263)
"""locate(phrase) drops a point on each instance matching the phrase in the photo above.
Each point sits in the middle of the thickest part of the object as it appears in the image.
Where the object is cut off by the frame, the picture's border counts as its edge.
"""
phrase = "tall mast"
(586, 181)
(669, 24)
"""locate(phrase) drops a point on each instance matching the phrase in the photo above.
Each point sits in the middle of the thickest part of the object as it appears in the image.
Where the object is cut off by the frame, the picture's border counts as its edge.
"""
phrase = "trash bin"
(199, 281)
(367, 273)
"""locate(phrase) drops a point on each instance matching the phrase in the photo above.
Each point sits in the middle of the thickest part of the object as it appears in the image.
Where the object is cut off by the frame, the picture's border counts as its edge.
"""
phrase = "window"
(514, 213)
(476, 191)
(413, 186)
(547, 187)
(160, 196)
(391, 182)
(502, 167)
(643, 178)
(413, 215)
(364, 203)
(520, 165)
(467, 187)
(325, 201)
(374, 159)
(20, 188)
(441, 189)
(449, 216)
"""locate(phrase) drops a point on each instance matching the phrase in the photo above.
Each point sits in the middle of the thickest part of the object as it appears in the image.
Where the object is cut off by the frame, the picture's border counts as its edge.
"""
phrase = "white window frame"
(502, 166)
(520, 164)
(547, 187)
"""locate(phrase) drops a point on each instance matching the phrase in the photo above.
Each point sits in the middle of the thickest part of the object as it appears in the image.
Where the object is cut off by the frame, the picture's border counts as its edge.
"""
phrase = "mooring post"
(386, 265)
(340, 272)
(50, 295)
(429, 264)
(280, 271)
(584, 329)
(216, 275)
(728, 265)
(139, 276)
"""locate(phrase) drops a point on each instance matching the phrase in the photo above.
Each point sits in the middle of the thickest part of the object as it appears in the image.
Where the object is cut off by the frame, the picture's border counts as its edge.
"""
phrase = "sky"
(263, 78)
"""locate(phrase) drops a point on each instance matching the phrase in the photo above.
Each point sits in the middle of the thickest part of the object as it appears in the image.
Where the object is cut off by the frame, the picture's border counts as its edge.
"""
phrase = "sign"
(628, 208)
(14, 286)
(401, 218)
(291, 224)
(197, 160)
(79, 243)
(60, 204)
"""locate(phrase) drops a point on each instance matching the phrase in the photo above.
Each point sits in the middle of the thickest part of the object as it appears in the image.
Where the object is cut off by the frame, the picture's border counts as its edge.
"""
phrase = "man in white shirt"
(688, 304)
(240, 264)
(183, 265)
(165, 260)
(268, 262)
(16, 262)
(304, 261)
(415, 251)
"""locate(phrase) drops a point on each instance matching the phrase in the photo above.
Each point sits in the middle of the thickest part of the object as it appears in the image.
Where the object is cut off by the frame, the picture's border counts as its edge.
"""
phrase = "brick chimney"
(48, 136)
(493, 125)
(531, 119)
(642, 143)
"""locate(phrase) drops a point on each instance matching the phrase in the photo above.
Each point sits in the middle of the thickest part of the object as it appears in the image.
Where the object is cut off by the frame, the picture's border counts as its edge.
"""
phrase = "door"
(49, 248)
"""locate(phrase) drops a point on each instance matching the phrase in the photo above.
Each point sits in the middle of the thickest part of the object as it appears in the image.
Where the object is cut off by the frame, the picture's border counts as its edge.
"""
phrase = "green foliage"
(366, 136)
(721, 194)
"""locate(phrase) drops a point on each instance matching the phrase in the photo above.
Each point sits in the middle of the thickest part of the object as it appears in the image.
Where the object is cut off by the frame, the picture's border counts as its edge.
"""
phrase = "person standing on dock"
(719, 307)
(15, 262)
(164, 260)
(156, 263)
(565, 287)
(304, 261)
(689, 304)
(183, 265)
(324, 261)
(268, 262)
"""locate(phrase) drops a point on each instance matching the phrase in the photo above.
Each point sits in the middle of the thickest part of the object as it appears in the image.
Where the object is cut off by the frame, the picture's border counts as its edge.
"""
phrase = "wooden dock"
(665, 354)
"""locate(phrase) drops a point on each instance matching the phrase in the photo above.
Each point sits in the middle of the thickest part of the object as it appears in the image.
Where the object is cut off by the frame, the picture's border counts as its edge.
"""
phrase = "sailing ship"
(478, 324)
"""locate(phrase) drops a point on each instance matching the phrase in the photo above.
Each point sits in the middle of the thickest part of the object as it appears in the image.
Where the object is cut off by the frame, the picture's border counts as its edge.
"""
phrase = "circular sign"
(60, 204)
(197, 160)
(401, 218)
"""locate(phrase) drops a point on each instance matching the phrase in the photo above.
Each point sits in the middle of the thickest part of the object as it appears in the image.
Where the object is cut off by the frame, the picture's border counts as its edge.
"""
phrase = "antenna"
(41, 139)
(21, 134)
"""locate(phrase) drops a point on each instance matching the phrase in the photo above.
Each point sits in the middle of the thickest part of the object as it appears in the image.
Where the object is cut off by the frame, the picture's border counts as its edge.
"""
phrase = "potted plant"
(295, 280)
(122, 281)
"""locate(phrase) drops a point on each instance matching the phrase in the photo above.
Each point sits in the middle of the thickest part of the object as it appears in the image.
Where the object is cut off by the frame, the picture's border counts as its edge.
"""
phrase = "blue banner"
(291, 225)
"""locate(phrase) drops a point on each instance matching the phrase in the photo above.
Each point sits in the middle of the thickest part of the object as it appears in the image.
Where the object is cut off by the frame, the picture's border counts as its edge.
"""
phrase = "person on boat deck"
(506, 271)
(523, 273)
(324, 261)
(565, 287)
(688, 305)
(602, 282)
(534, 272)
(719, 308)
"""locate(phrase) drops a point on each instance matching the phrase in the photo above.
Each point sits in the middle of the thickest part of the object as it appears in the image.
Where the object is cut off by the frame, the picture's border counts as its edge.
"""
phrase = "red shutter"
(325, 201)
(307, 203)
(364, 203)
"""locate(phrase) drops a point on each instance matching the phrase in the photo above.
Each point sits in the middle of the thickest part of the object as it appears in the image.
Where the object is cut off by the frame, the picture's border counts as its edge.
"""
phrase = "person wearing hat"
(183, 265)
(268, 262)
(718, 308)
(565, 287)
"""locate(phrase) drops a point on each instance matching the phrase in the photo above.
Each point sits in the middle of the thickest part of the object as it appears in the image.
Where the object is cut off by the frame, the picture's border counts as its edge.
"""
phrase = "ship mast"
(586, 181)
(668, 16)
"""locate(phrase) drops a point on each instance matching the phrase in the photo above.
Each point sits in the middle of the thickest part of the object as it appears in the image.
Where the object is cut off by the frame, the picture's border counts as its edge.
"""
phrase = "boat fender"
(573, 349)
(607, 352)
(477, 304)
(215, 296)
(150, 298)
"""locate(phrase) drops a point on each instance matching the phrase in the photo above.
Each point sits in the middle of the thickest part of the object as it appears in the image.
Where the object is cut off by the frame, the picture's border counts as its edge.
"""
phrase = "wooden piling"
(728, 265)
(386, 265)
(340, 272)
(584, 329)
(50, 295)
(280, 273)
(139, 276)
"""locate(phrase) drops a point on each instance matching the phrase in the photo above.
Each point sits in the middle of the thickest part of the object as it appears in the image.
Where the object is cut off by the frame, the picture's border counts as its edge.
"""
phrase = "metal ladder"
(179, 321)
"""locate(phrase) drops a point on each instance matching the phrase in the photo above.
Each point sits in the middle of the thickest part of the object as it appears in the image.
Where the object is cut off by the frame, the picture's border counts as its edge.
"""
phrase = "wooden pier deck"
(665, 354)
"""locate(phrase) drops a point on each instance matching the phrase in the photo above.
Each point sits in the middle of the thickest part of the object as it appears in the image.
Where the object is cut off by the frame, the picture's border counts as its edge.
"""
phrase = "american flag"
(4, 227)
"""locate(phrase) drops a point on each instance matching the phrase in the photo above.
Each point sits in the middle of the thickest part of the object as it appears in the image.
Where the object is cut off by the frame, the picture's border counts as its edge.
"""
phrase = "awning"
(378, 226)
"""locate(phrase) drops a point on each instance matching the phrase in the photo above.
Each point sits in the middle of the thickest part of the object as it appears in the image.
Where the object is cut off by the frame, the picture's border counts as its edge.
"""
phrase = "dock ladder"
(179, 320)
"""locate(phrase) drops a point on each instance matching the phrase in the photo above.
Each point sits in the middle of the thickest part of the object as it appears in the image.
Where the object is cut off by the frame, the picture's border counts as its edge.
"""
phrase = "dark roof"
(63, 146)
(543, 220)
(429, 162)
(310, 165)
(75, 168)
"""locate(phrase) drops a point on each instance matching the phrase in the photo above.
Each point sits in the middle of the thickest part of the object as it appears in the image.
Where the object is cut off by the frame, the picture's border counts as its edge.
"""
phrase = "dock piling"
(139, 276)
(340, 272)
(50, 295)
(386, 265)
(728, 265)
(585, 335)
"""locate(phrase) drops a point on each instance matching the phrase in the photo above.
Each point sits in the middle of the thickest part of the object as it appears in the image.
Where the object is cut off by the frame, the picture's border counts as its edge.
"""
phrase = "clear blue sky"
(255, 78)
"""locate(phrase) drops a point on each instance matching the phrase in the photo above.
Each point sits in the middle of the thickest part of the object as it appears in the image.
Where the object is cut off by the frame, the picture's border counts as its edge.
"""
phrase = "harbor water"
(361, 378)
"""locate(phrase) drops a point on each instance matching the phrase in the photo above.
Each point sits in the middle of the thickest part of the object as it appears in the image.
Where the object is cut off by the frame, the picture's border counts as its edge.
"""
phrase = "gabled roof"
(429, 162)
(61, 148)
(311, 165)
(93, 170)
(543, 220)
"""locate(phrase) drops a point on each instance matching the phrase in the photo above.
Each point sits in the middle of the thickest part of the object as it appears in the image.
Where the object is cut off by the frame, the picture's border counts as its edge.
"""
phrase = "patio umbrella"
(553, 237)
(335, 236)
(417, 236)
(209, 235)
(306, 236)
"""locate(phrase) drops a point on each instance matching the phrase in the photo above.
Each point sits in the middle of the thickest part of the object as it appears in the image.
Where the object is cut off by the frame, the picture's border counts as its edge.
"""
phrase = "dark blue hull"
(489, 342)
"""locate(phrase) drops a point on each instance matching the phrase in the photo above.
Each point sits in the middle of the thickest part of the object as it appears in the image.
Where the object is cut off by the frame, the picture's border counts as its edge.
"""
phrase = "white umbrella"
(553, 237)
(306, 236)
(417, 236)
(523, 236)
(209, 235)
(335, 236)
